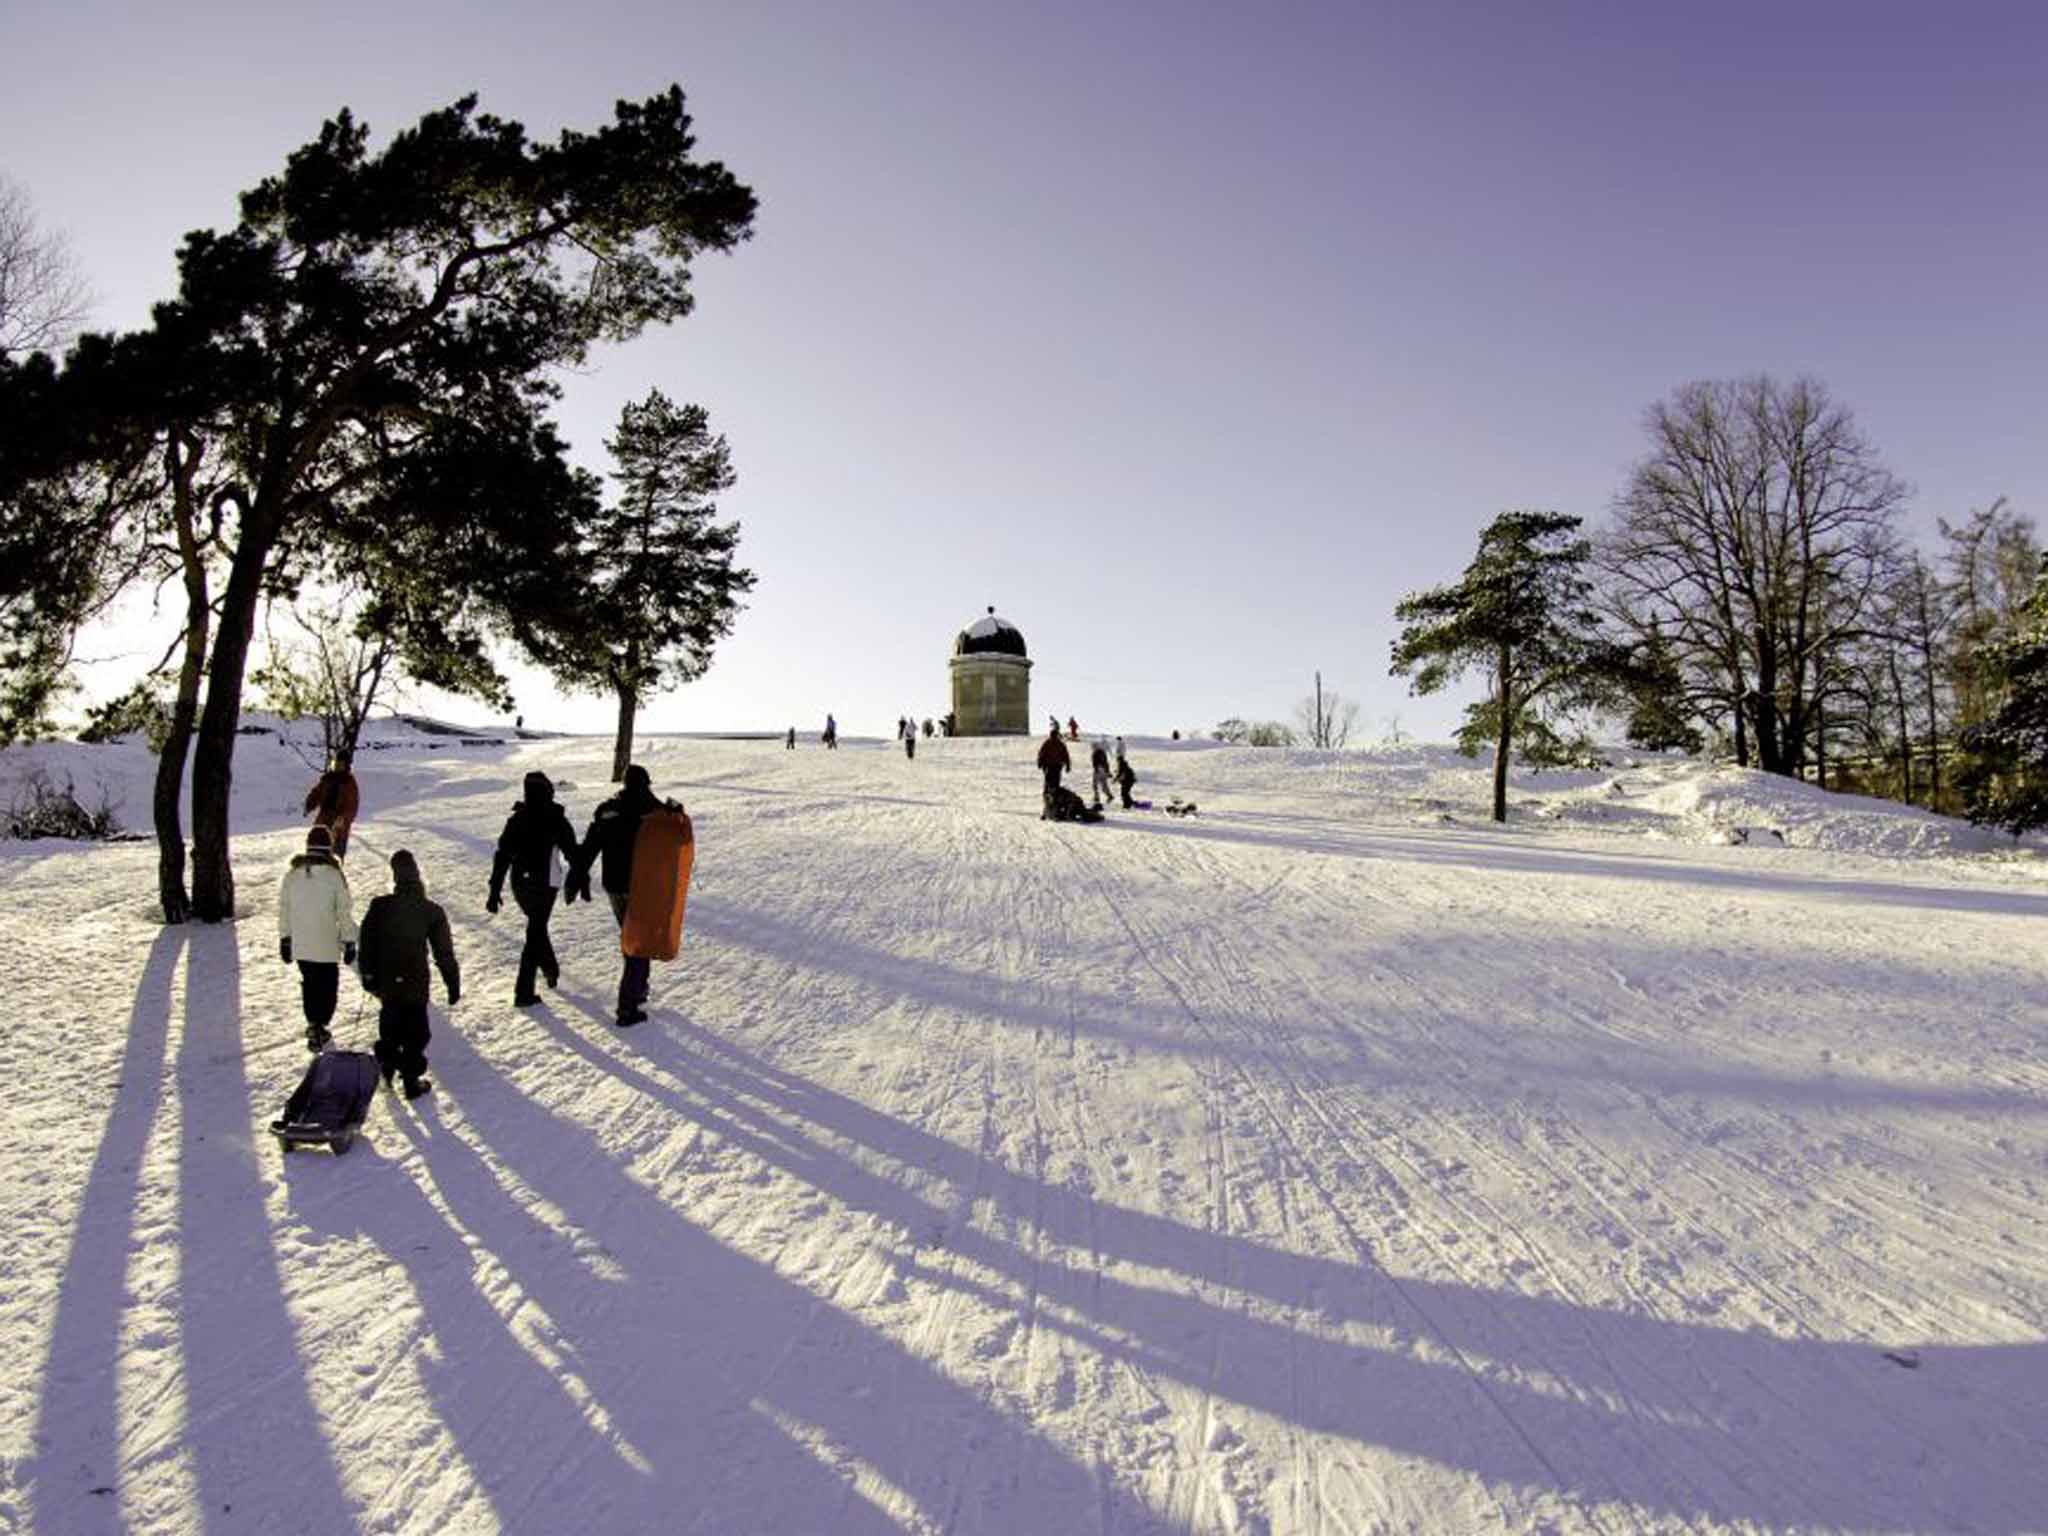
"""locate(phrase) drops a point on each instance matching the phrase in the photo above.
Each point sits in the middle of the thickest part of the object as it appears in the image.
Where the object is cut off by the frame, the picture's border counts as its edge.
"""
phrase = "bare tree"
(341, 664)
(1755, 533)
(1326, 719)
(43, 300)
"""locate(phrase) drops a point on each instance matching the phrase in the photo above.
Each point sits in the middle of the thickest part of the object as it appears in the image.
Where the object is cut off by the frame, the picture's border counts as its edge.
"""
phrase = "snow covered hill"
(1330, 1162)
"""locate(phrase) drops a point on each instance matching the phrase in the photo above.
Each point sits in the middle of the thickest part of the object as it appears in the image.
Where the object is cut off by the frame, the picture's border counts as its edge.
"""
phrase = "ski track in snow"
(1315, 1166)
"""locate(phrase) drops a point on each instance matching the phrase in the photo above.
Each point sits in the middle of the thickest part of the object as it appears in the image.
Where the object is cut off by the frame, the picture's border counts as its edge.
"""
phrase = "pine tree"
(2005, 769)
(366, 355)
(1523, 612)
(657, 587)
(1658, 716)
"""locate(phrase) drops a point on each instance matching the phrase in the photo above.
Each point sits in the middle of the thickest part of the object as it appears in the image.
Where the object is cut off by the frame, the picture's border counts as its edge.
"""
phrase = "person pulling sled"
(400, 930)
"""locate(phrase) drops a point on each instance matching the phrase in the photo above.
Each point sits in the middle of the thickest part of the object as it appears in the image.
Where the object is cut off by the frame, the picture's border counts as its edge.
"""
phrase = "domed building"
(991, 680)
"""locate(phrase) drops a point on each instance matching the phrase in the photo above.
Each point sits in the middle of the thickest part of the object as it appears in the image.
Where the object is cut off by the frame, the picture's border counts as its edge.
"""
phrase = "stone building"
(991, 680)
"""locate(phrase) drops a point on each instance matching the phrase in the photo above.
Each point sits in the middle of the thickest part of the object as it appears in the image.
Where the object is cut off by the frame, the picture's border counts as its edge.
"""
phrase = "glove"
(348, 954)
(454, 996)
(284, 950)
(492, 902)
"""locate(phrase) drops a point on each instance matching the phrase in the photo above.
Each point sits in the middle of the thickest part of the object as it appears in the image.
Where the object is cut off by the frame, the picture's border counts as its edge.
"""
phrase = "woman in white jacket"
(316, 927)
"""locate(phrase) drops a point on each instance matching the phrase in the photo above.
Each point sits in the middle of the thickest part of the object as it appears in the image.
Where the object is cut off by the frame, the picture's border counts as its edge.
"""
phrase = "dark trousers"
(1127, 793)
(402, 1036)
(319, 990)
(537, 901)
(633, 979)
(1052, 782)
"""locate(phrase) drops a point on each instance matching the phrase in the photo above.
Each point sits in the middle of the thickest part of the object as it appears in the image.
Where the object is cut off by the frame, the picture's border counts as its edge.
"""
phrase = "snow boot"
(417, 1087)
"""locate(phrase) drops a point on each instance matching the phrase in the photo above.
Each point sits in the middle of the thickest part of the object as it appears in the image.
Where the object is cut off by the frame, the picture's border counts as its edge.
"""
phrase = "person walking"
(316, 930)
(608, 845)
(333, 800)
(400, 931)
(1098, 763)
(909, 738)
(1052, 762)
(1073, 729)
(831, 734)
(791, 742)
(536, 847)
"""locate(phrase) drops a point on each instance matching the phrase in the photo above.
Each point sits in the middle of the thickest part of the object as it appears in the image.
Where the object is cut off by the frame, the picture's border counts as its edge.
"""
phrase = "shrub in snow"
(40, 809)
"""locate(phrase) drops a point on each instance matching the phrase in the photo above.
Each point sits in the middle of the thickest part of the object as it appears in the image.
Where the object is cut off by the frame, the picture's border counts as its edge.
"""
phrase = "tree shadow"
(76, 1461)
(1531, 1390)
(1168, 1026)
(257, 1447)
(716, 1385)
(1510, 851)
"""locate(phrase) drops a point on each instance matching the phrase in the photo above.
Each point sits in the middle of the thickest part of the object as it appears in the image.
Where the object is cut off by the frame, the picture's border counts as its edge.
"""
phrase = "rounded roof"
(990, 635)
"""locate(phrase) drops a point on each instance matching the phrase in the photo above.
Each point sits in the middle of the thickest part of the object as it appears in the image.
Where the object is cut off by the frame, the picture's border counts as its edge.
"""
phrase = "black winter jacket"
(398, 931)
(537, 828)
(611, 835)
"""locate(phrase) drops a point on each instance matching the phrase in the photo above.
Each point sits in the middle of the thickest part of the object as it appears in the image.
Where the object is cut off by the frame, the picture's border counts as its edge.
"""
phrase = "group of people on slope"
(403, 931)
(1053, 762)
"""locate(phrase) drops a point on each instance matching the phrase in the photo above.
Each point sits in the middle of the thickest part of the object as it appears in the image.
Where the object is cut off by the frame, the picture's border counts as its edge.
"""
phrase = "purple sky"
(1189, 336)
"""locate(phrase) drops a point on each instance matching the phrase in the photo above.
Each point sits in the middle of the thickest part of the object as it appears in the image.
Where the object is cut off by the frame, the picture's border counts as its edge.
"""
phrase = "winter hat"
(540, 789)
(405, 869)
(636, 778)
(319, 839)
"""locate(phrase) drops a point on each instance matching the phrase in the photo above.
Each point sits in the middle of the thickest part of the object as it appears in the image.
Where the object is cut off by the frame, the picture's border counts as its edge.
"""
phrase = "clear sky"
(1190, 336)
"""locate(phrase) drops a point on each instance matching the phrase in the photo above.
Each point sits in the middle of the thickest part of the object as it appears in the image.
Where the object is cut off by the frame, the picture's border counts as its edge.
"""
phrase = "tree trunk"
(213, 760)
(170, 763)
(1905, 730)
(1502, 746)
(622, 749)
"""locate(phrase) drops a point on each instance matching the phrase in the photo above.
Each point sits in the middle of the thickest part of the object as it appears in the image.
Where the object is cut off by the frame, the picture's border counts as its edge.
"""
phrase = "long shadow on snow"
(1494, 854)
(1700, 1421)
(1168, 1026)
(557, 1382)
(707, 1363)
(77, 1431)
(257, 1447)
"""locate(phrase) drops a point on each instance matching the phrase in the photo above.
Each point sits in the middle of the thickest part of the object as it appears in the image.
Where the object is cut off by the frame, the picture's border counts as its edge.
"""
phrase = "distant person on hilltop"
(333, 800)
(1052, 762)
(316, 930)
(831, 734)
(791, 742)
(537, 846)
(1073, 729)
(400, 931)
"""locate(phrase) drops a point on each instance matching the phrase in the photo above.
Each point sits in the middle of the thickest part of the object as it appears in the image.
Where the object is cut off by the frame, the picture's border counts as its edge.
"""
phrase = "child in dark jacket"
(398, 933)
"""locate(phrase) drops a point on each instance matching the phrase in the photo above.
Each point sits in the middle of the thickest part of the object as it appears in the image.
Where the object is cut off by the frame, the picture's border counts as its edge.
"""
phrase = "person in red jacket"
(333, 800)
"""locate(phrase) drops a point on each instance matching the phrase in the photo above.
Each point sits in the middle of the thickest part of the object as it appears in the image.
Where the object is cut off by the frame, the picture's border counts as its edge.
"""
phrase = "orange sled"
(663, 850)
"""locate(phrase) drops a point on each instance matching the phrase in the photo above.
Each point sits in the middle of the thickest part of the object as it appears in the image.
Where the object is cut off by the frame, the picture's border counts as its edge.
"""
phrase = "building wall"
(992, 695)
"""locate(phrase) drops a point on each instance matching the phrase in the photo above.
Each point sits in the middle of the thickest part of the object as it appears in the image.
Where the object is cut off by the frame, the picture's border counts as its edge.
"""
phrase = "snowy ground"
(1334, 1162)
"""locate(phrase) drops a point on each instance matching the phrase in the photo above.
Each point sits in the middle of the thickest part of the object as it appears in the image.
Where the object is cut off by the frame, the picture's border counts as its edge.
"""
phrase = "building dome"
(990, 636)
